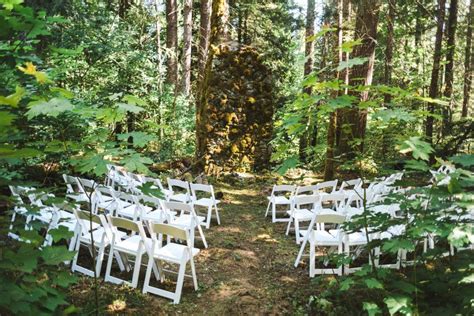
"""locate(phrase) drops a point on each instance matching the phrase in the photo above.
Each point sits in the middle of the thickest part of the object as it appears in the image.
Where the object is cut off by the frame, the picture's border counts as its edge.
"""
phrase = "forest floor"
(247, 269)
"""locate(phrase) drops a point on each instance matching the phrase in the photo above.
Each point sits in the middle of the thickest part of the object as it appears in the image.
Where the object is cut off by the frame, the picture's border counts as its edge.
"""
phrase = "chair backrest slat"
(330, 218)
(169, 230)
(124, 223)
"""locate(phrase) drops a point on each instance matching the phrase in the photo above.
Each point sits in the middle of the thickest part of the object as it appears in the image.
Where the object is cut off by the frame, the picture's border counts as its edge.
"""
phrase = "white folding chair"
(323, 238)
(208, 202)
(172, 253)
(348, 185)
(132, 246)
(327, 187)
(179, 190)
(299, 214)
(74, 190)
(186, 218)
(129, 206)
(91, 227)
(159, 214)
(281, 195)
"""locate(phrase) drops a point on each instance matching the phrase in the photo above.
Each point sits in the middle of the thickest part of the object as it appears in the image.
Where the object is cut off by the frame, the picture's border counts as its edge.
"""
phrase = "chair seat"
(173, 252)
(355, 239)
(180, 197)
(111, 204)
(185, 220)
(279, 200)
(78, 197)
(327, 211)
(301, 214)
(131, 244)
(353, 211)
(131, 211)
(323, 238)
(206, 202)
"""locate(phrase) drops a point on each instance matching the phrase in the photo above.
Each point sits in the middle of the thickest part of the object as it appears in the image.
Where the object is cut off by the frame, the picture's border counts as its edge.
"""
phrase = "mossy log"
(239, 112)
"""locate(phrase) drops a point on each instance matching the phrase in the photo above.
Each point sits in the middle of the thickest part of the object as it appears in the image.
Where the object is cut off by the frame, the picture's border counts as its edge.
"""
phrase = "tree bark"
(468, 59)
(433, 92)
(187, 45)
(172, 42)
(352, 138)
(204, 32)
(219, 17)
(332, 126)
(389, 49)
(308, 68)
(448, 71)
(160, 69)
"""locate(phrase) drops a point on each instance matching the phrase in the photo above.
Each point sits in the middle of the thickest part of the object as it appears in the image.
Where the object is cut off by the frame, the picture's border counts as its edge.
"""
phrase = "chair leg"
(179, 282)
(268, 208)
(146, 282)
(347, 251)
(217, 214)
(273, 213)
(312, 259)
(289, 225)
(100, 258)
(109, 263)
(202, 235)
(297, 231)
(193, 271)
(209, 215)
(136, 269)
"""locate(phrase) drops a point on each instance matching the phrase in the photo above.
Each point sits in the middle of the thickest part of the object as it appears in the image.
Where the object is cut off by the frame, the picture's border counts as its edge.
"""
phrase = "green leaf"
(140, 139)
(65, 279)
(6, 118)
(127, 107)
(9, 151)
(54, 255)
(9, 4)
(136, 162)
(346, 284)
(419, 148)
(52, 108)
(351, 63)
(149, 188)
(131, 99)
(95, 163)
(418, 165)
(373, 283)
(371, 308)
(13, 99)
(399, 304)
(348, 46)
(61, 232)
(63, 92)
(465, 160)
(289, 163)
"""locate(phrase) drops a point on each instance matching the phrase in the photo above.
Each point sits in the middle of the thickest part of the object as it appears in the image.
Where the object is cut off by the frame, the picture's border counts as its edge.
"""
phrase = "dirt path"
(247, 269)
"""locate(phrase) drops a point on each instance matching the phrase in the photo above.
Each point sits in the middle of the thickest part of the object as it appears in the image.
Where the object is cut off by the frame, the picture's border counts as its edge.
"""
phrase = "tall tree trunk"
(160, 67)
(332, 126)
(365, 29)
(172, 42)
(308, 68)
(204, 32)
(187, 44)
(468, 59)
(348, 54)
(433, 92)
(219, 18)
(389, 49)
(448, 71)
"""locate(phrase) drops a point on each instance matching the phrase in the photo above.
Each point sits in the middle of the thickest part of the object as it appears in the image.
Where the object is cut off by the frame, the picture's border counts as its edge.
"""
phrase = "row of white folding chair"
(51, 216)
(178, 190)
(185, 192)
(114, 233)
(283, 194)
